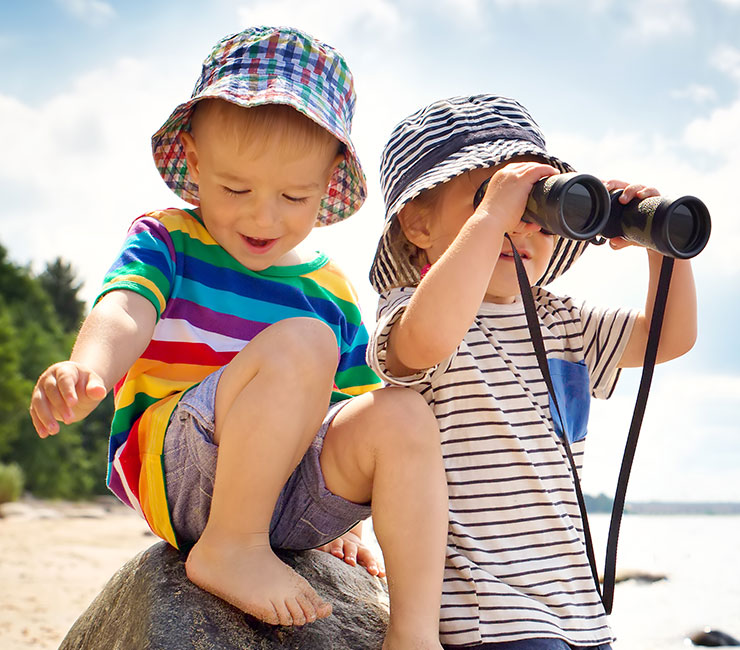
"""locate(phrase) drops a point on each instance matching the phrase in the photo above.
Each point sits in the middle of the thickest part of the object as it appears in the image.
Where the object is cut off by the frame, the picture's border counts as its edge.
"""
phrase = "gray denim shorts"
(306, 515)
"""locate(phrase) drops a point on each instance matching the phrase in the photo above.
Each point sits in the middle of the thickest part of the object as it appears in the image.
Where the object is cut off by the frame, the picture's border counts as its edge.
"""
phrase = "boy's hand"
(66, 392)
(630, 191)
(508, 191)
(349, 547)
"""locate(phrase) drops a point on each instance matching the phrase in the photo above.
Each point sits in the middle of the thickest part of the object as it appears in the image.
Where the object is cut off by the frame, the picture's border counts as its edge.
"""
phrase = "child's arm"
(678, 334)
(113, 336)
(450, 294)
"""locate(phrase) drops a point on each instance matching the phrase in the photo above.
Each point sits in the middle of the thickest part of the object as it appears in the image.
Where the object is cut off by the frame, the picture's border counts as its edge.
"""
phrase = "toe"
(309, 611)
(283, 613)
(323, 609)
(296, 611)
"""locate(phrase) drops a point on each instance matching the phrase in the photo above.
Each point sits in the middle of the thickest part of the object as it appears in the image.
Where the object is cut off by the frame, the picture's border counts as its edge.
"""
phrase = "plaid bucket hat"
(273, 65)
(442, 141)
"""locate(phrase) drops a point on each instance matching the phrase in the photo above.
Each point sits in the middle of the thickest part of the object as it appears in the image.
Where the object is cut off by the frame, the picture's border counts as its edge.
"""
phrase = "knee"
(304, 348)
(407, 421)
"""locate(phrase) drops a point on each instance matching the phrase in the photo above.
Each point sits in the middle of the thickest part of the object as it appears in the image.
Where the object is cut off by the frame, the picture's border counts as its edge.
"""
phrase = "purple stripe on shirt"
(213, 321)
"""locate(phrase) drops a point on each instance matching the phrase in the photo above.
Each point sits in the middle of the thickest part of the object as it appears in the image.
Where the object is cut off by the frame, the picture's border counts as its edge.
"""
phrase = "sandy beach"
(54, 559)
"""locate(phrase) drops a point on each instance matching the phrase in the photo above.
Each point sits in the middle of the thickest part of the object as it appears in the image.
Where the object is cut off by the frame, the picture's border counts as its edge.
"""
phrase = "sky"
(640, 90)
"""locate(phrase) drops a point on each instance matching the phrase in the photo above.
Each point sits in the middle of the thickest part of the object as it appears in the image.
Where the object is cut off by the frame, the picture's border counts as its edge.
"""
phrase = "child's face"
(452, 209)
(258, 203)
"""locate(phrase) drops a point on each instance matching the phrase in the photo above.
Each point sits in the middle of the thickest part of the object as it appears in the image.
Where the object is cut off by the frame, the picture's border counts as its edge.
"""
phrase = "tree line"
(39, 319)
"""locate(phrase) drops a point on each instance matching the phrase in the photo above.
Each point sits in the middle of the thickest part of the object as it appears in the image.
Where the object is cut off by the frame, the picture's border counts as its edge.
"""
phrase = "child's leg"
(384, 447)
(270, 401)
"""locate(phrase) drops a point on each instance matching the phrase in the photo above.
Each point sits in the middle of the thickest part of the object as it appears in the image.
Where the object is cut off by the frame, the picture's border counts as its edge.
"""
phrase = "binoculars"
(578, 206)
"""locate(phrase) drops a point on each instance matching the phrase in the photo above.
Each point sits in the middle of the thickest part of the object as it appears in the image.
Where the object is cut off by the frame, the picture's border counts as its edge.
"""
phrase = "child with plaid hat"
(245, 417)
(452, 325)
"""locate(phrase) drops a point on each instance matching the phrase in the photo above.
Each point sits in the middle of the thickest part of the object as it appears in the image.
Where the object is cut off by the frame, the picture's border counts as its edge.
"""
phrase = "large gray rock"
(150, 604)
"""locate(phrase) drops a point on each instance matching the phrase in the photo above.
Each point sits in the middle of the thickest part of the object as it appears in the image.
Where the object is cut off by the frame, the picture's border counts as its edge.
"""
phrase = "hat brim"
(347, 188)
(387, 272)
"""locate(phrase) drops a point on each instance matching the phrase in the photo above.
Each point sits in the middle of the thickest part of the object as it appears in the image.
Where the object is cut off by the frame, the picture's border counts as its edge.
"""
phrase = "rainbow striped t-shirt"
(209, 307)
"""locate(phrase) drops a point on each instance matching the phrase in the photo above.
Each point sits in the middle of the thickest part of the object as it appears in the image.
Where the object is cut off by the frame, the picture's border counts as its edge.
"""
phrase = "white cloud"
(325, 19)
(727, 59)
(696, 93)
(83, 163)
(732, 4)
(718, 133)
(660, 18)
(94, 12)
(688, 447)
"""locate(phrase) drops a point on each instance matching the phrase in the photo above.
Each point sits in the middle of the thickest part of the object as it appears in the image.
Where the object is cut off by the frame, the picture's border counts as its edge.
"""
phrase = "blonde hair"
(251, 126)
(399, 247)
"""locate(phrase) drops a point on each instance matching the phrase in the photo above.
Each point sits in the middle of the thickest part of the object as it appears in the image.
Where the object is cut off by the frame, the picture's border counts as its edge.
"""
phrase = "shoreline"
(56, 556)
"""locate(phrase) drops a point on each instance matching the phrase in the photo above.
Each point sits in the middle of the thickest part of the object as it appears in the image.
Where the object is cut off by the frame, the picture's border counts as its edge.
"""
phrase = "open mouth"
(258, 244)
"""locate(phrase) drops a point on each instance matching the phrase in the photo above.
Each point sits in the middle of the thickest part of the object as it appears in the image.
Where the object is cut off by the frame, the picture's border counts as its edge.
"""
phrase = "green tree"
(33, 335)
(14, 388)
(61, 285)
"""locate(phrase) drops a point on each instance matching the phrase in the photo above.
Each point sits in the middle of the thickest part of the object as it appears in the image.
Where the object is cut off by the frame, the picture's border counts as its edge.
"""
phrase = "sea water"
(700, 559)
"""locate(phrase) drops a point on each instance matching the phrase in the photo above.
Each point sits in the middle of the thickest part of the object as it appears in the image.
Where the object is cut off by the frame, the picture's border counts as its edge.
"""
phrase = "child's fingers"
(95, 389)
(61, 390)
(617, 243)
(41, 415)
(630, 190)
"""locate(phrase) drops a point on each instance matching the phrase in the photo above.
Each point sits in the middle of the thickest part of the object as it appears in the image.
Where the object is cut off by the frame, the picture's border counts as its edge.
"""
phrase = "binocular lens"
(580, 207)
(674, 227)
(684, 228)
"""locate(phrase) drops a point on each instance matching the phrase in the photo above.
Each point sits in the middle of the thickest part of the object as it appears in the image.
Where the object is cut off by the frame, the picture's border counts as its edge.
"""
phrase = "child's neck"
(301, 254)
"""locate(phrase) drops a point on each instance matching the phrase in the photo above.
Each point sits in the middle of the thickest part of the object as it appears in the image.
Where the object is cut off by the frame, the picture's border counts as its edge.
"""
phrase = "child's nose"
(264, 214)
(526, 228)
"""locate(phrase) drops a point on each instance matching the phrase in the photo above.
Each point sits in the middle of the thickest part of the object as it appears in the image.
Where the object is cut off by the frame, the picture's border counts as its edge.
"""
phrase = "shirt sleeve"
(606, 333)
(391, 306)
(145, 265)
(353, 377)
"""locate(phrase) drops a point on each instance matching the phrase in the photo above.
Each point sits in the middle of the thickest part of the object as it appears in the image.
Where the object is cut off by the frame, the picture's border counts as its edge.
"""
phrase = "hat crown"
(262, 57)
(439, 130)
(273, 65)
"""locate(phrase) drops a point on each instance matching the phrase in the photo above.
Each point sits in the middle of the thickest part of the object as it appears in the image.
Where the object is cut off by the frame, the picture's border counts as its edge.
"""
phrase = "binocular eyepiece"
(578, 206)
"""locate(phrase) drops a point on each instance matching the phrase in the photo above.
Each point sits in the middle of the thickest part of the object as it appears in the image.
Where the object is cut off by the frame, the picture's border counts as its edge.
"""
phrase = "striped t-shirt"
(516, 560)
(209, 307)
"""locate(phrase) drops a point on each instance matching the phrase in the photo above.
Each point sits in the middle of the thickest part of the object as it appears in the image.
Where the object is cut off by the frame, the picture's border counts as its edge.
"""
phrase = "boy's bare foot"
(254, 579)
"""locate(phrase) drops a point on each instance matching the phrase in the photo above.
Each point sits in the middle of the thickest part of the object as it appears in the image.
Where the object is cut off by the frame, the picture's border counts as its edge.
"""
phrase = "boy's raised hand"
(629, 191)
(508, 191)
(66, 391)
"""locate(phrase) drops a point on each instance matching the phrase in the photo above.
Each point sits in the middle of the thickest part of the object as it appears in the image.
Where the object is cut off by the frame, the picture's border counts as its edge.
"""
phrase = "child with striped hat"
(452, 325)
(245, 417)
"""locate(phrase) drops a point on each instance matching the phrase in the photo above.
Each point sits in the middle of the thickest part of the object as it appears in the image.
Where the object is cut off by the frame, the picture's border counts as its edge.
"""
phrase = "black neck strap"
(656, 323)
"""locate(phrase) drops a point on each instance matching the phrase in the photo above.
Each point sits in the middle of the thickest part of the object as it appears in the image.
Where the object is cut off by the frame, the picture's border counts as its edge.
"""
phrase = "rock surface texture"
(150, 604)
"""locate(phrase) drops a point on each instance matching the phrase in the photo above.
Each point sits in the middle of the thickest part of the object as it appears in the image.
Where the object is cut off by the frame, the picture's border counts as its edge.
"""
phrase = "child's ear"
(415, 225)
(191, 155)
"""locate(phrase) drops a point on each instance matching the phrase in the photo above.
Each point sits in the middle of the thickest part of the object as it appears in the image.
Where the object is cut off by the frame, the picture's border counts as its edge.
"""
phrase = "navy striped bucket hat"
(442, 141)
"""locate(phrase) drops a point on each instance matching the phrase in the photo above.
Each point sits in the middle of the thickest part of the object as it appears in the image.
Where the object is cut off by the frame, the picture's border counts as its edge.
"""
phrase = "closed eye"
(230, 192)
(296, 199)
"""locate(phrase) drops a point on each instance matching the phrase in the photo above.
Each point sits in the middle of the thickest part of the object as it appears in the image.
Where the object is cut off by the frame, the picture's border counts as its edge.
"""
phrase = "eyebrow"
(232, 178)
